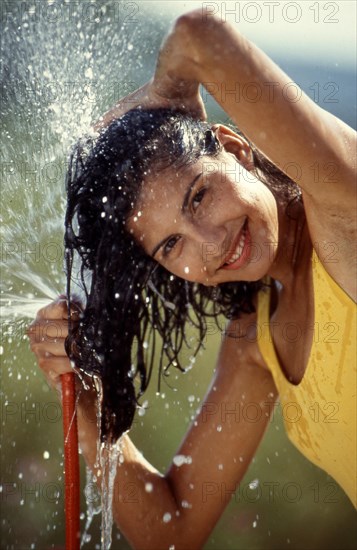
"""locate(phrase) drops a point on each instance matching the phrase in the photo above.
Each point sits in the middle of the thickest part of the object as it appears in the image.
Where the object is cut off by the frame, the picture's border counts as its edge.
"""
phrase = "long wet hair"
(131, 301)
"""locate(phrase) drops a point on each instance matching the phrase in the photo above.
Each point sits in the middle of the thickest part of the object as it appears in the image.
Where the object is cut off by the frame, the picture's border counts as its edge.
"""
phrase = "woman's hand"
(159, 92)
(47, 334)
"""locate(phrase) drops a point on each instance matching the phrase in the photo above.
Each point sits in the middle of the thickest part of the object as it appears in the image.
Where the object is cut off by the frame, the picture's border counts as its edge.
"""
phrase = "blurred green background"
(62, 65)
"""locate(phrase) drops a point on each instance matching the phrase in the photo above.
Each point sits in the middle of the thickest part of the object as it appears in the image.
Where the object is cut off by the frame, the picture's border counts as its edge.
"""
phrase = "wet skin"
(211, 222)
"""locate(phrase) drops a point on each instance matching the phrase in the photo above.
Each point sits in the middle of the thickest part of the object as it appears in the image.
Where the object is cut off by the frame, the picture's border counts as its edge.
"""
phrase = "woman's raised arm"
(275, 114)
(282, 121)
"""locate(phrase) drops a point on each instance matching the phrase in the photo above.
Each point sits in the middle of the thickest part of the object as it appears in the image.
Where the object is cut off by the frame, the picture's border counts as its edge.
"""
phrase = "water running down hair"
(130, 298)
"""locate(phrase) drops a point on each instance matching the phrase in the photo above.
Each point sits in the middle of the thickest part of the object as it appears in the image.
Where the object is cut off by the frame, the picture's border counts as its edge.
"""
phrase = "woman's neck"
(294, 247)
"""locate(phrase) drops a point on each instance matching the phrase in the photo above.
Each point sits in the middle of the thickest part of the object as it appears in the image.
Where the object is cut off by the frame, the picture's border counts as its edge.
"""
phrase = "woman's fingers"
(139, 97)
(55, 310)
(53, 368)
(52, 320)
(47, 335)
(54, 347)
(47, 329)
(58, 309)
(56, 366)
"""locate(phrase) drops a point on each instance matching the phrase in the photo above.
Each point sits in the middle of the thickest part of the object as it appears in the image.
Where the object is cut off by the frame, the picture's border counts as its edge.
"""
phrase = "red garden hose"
(71, 462)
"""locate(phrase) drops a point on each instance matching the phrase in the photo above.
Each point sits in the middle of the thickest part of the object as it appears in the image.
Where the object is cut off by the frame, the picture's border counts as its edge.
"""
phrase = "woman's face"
(211, 222)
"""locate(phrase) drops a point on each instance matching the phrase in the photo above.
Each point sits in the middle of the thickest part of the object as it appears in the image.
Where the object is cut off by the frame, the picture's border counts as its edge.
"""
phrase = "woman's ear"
(234, 144)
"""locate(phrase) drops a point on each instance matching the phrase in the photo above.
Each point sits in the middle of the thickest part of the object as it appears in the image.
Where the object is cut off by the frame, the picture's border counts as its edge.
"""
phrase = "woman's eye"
(170, 244)
(198, 198)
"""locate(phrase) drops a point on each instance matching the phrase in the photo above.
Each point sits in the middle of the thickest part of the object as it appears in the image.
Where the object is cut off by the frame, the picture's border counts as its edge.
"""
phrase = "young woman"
(174, 221)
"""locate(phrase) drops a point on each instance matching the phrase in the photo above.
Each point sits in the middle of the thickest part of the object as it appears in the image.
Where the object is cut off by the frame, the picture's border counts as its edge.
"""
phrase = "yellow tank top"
(320, 412)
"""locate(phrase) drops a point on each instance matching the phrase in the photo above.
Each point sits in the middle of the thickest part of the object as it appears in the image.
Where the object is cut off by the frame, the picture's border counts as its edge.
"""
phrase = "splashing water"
(93, 503)
(63, 65)
(109, 460)
(61, 70)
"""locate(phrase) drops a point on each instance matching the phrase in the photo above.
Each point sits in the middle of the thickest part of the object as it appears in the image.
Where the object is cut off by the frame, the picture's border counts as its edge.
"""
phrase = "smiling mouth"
(236, 258)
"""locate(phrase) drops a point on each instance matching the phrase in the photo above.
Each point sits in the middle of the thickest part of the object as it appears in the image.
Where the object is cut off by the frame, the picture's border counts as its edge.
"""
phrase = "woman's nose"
(209, 238)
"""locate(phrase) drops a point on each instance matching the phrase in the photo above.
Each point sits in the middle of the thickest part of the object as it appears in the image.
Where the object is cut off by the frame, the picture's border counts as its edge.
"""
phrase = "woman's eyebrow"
(188, 192)
(184, 206)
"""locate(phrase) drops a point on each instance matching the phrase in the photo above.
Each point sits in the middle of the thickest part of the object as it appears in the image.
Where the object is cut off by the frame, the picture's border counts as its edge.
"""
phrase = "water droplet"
(254, 484)
(149, 487)
(166, 517)
(142, 410)
(88, 73)
(187, 269)
(46, 455)
(179, 460)
(186, 504)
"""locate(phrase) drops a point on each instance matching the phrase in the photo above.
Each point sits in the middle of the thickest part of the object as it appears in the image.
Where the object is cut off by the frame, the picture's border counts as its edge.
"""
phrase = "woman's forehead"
(177, 174)
(160, 202)
(164, 187)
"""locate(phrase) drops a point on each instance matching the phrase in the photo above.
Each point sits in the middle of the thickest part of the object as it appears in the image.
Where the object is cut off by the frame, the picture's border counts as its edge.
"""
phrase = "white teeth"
(238, 252)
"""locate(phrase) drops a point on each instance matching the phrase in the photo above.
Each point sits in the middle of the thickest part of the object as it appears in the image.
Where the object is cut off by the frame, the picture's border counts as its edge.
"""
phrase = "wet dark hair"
(131, 300)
